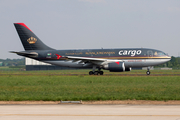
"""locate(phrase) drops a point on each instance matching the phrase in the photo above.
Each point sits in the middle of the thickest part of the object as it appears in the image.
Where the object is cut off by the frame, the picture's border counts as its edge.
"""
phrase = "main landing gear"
(99, 72)
(96, 73)
(148, 71)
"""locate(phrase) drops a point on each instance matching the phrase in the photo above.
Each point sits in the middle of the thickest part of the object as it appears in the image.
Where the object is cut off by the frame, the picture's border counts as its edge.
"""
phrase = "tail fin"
(29, 40)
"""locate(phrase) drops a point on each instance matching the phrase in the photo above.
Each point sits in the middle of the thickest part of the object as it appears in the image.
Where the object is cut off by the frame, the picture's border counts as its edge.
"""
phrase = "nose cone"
(169, 58)
(165, 59)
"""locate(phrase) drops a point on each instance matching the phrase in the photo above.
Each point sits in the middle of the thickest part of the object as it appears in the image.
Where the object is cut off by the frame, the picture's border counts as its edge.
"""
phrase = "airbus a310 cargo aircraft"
(114, 60)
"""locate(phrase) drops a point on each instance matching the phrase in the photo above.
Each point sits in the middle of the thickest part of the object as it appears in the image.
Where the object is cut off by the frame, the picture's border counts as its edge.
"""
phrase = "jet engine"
(116, 67)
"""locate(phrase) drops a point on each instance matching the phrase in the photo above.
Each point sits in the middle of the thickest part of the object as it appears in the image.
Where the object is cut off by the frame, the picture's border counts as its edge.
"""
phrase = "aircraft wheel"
(148, 72)
(91, 72)
(96, 73)
(101, 72)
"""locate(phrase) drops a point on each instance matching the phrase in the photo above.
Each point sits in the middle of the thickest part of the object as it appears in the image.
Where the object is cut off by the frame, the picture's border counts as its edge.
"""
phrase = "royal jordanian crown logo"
(32, 40)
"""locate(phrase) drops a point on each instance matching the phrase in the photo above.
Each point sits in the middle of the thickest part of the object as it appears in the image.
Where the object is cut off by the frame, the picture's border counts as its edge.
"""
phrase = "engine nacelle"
(115, 67)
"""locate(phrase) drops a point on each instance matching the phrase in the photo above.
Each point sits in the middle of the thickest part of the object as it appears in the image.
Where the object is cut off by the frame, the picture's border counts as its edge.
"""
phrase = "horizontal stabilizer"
(33, 54)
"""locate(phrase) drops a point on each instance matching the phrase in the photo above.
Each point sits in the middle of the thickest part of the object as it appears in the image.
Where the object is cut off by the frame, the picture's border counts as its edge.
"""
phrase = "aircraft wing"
(97, 61)
(85, 58)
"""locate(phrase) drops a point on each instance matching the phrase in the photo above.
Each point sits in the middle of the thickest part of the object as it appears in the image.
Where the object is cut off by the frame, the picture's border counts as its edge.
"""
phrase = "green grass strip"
(54, 88)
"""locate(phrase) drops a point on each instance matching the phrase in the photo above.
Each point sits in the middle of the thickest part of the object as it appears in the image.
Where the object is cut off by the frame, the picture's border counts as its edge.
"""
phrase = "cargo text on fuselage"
(130, 52)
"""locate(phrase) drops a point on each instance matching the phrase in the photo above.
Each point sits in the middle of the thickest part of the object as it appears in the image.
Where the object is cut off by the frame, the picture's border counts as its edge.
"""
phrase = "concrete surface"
(89, 112)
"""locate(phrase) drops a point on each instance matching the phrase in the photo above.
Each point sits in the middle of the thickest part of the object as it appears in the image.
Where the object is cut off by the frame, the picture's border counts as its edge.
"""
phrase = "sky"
(92, 24)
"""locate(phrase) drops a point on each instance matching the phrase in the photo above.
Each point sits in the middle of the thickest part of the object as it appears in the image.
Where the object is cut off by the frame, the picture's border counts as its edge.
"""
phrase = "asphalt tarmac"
(89, 112)
(92, 75)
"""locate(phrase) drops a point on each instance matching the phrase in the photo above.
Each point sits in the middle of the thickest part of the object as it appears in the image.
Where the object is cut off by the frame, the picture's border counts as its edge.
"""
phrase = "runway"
(88, 112)
(91, 75)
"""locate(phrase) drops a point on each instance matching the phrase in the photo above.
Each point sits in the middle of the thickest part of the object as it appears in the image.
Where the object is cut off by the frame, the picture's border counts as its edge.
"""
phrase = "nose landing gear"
(148, 71)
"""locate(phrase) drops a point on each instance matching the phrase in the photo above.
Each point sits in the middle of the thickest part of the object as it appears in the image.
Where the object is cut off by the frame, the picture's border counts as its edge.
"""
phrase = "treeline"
(12, 62)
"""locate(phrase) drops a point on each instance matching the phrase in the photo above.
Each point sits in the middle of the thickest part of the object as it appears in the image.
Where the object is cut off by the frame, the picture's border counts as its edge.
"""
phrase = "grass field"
(61, 85)
(15, 71)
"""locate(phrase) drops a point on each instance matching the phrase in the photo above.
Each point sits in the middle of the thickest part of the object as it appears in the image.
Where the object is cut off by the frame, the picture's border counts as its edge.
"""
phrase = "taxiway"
(88, 112)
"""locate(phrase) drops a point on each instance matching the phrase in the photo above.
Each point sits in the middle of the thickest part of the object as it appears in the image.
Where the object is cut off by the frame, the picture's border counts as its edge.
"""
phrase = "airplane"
(114, 60)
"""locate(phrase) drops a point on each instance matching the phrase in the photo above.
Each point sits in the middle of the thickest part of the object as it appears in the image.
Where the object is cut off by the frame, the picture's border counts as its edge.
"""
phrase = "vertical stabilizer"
(29, 40)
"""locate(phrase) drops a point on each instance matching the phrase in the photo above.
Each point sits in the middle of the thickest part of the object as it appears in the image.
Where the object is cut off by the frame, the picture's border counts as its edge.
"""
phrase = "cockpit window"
(161, 53)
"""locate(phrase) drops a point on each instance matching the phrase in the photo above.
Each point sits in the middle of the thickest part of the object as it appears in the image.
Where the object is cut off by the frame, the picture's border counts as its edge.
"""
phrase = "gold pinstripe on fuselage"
(165, 57)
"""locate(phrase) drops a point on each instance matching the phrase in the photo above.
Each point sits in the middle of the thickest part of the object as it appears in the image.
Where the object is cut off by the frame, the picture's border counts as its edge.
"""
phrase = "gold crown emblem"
(32, 40)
